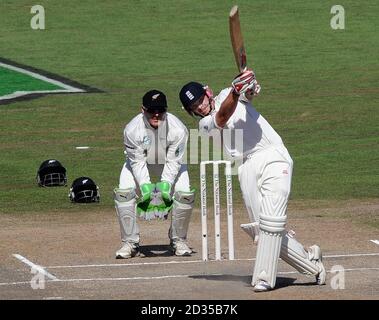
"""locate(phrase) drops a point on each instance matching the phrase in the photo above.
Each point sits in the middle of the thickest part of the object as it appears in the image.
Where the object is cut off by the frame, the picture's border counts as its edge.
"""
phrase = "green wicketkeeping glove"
(146, 190)
(165, 188)
(150, 211)
(146, 210)
(162, 211)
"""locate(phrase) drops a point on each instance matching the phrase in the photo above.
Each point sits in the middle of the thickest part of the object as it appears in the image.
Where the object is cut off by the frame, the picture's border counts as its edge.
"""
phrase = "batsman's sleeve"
(137, 157)
(174, 157)
(208, 124)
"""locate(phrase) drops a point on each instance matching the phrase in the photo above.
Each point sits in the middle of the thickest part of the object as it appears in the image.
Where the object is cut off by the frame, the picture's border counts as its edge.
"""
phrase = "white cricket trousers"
(266, 172)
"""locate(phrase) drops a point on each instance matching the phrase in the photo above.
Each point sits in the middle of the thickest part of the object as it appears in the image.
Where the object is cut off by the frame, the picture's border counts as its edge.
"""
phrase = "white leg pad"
(125, 204)
(181, 214)
(296, 256)
(270, 239)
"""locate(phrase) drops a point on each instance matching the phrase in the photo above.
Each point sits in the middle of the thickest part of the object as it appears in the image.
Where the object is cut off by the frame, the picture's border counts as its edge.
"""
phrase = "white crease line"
(156, 277)
(351, 255)
(14, 283)
(101, 279)
(125, 264)
(188, 261)
(330, 271)
(131, 278)
(38, 268)
(375, 241)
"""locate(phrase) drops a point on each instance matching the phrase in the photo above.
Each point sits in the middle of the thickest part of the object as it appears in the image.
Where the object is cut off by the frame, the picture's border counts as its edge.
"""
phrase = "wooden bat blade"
(236, 39)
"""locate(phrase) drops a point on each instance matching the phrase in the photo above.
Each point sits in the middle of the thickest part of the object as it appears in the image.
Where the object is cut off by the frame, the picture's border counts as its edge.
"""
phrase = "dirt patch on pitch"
(79, 250)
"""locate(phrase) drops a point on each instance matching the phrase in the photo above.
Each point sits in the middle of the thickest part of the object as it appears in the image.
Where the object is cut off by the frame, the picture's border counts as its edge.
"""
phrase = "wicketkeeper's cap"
(155, 101)
(190, 93)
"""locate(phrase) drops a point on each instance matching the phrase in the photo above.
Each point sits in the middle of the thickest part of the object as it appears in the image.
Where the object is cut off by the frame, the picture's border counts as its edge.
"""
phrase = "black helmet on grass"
(84, 190)
(51, 173)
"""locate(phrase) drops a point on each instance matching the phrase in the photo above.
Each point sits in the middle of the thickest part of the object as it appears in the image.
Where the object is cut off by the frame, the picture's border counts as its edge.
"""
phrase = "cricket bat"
(236, 38)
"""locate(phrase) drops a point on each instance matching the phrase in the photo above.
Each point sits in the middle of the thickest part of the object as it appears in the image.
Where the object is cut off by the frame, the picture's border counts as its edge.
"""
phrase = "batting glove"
(252, 91)
(244, 81)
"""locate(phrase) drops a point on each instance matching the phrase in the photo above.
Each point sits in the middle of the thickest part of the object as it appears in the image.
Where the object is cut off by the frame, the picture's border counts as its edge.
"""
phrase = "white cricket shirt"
(145, 146)
(253, 129)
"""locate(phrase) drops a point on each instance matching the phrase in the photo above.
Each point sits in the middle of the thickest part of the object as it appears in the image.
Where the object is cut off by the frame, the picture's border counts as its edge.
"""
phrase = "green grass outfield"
(320, 88)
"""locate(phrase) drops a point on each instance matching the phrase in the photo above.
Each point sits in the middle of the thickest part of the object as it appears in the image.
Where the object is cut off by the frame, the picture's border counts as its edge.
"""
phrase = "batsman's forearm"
(227, 109)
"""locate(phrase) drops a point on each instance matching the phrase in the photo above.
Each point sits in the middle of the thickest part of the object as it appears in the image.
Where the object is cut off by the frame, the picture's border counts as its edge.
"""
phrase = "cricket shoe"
(128, 250)
(180, 247)
(315, 256)
(262, 286)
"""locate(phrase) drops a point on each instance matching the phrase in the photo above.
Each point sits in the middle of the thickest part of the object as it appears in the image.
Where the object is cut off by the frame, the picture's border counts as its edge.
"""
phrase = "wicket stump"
(229, 208)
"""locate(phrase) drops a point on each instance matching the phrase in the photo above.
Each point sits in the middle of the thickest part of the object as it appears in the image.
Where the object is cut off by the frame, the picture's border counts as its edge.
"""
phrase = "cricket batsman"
(155, 142)
(264, 176)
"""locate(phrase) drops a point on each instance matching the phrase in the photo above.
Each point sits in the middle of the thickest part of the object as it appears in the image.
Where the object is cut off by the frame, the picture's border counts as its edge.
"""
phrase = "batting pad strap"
(185, 197)
(124, 195)
(272, 224)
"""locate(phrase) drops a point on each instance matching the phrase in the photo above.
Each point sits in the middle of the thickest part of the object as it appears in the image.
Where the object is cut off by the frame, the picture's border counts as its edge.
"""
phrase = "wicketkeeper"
(155, 142)
(264, 176)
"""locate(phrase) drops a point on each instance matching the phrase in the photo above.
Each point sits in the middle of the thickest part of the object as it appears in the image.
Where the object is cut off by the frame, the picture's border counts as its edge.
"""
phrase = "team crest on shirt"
(146, 140)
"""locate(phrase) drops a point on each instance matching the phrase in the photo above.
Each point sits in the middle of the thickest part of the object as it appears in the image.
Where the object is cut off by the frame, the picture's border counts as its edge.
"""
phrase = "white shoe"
(262, 286)
(315, 256)
(180, 248)
(128, 250)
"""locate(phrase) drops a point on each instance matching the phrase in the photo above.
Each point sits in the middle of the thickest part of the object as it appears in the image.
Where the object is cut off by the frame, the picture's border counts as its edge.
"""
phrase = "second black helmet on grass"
(84, 190)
